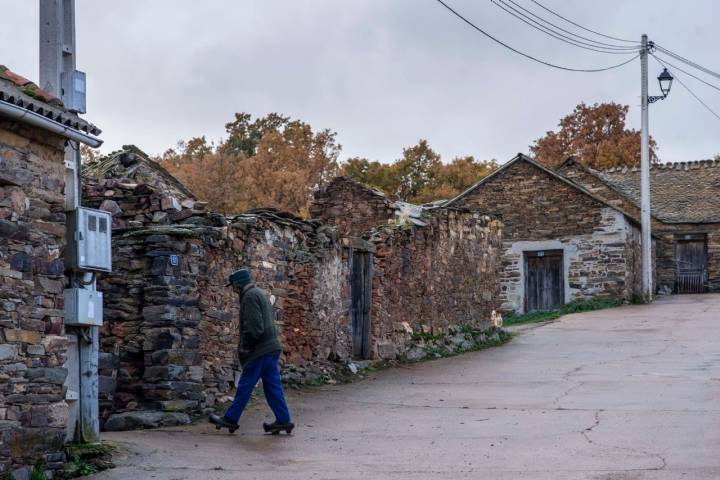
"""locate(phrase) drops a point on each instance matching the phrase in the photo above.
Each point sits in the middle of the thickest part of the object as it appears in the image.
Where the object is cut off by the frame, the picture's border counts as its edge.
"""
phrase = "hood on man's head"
(239, 278)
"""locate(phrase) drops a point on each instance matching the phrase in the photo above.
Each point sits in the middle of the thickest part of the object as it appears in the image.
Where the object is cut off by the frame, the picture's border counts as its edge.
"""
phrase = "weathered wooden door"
(544, 283)
(361, 296)
(691, 266)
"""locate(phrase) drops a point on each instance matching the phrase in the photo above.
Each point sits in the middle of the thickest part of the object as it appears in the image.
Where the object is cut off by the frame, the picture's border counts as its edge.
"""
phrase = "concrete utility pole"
(59, 77)
(647, 287)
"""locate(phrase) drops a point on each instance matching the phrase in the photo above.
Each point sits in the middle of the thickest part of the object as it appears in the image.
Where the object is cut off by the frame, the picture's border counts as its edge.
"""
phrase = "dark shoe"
(222, 422)
(275, 428)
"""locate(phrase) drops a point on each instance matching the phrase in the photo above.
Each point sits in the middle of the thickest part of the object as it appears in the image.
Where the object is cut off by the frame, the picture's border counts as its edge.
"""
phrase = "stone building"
(685, 217)
(170, 329)
(561, 241)
(34, 129)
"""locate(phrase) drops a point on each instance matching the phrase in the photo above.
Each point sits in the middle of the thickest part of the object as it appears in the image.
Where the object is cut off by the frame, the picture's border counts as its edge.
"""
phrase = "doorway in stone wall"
(544, 282)
(690, 263)
(361, 297)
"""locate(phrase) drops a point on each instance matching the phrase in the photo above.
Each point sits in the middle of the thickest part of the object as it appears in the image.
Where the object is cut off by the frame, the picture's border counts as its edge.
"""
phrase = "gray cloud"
(381, 73)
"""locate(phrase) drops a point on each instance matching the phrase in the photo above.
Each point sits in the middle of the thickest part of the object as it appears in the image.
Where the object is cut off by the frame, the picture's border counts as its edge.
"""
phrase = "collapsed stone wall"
(352, 207)
(171, 325)
(432, 278)
(171, 332)
(33, 410)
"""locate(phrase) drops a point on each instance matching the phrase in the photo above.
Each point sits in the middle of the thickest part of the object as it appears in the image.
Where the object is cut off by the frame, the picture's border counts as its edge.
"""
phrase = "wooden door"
(361, 297)
(691, 266)
(544, 282)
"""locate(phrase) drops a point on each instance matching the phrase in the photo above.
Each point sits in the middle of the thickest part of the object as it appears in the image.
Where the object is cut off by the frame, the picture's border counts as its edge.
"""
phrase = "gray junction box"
(83, 308)
(89, 245)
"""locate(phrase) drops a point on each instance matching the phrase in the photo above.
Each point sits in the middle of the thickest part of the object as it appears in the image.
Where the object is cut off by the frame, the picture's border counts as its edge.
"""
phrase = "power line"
(687, 73)
(557, 35)
(580, 26)
(689, 90)
(593, 43)
(593, 70)
(687, 61)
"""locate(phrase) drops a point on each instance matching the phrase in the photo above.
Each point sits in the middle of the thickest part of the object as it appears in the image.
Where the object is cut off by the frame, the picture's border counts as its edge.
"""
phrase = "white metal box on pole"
(89, 240)
(83, 308)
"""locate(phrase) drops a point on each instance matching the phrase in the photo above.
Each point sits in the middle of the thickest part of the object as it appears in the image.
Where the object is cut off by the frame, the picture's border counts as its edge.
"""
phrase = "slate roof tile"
(21, 92)
(681, 192)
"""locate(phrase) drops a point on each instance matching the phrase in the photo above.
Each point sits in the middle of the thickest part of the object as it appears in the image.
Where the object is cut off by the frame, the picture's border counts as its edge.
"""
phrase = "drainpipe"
(36, 120)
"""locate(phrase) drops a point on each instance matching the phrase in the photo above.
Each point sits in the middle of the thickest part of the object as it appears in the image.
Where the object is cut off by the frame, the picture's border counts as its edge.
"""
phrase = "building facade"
(34, 378)
(560, 241)
(685, 217)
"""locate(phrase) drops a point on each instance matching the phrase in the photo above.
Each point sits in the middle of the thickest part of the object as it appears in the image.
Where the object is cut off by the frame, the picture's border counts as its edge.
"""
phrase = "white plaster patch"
(585, 259)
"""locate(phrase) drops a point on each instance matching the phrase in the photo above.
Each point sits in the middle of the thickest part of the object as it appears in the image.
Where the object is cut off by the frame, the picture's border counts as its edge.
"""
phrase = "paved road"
(626, 394)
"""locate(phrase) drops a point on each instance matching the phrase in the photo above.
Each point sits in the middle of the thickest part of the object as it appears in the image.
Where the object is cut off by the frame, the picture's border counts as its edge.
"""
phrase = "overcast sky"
(382, 73)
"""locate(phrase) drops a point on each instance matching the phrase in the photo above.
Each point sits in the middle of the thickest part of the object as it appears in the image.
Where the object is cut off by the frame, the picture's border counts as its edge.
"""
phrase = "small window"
(92, 223)
(103, 225)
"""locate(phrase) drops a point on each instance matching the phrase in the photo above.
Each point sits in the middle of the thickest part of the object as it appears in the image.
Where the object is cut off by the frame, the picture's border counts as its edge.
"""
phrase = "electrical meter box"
(89, 238)
(73, 87)
(83, 308)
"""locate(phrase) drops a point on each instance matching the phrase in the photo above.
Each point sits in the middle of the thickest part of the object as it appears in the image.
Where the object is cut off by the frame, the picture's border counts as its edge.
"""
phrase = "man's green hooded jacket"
(258, 332)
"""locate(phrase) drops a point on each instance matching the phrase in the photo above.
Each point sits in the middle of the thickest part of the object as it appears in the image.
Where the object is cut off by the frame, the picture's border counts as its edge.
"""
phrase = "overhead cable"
(557, 35)
(531, 16)
(580, 26)
(586, 70)
(688, 89)
(665, 60)
(686, 61)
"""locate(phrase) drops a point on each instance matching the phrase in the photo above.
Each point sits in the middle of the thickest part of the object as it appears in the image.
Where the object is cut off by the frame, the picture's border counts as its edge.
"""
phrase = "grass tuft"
(577, 306)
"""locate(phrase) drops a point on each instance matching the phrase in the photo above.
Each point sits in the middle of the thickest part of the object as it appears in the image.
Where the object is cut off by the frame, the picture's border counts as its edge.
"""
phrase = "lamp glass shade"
(665, 80)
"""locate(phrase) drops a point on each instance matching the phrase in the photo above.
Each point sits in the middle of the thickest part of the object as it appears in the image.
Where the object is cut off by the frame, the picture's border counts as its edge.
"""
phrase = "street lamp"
(665, 80)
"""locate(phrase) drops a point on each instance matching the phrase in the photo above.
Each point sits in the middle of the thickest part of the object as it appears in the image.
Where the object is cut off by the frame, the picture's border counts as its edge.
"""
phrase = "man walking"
(259, 352)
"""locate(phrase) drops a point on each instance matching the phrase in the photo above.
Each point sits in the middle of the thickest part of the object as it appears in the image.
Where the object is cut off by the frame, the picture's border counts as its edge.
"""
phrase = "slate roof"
(520, 157)
(21, 92)
(681, 192)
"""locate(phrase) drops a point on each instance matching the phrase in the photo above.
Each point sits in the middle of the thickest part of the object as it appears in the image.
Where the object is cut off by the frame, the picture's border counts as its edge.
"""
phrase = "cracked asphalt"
(630, 393)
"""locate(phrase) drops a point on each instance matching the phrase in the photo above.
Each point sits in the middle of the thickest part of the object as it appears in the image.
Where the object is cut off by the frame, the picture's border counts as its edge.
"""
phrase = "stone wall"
(665, 233)
(171, 330)
(541, 212)
(171, 325)
(352, 207)
(33, 411)
(431, 278)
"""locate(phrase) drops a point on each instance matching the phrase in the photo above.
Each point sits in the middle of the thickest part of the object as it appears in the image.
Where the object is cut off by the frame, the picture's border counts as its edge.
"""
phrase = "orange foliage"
(596, 135)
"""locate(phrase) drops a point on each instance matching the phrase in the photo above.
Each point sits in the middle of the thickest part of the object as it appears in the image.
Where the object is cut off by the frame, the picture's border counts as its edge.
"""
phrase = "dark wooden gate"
(691, 265)
(544, 283)
(361, 296)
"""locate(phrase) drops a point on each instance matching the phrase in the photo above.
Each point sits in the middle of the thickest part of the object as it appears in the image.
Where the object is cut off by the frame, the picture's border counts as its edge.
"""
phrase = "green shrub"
(576, 306)
(38, 472)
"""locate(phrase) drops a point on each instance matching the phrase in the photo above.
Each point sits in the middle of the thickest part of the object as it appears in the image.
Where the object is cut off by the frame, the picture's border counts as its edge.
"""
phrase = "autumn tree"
(460, 174)
(211, 174)
(596, 135)
(419, 176)
(372, 173)
(271, 161)
(89, 154)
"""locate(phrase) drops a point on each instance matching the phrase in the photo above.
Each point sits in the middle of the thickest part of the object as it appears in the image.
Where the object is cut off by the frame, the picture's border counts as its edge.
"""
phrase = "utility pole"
(647, 288)
(59, 77)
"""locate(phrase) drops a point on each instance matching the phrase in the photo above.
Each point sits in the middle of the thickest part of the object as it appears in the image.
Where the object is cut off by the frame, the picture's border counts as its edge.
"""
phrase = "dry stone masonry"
(170, 332)
(33, 411)
(542, 211)
(684, 208)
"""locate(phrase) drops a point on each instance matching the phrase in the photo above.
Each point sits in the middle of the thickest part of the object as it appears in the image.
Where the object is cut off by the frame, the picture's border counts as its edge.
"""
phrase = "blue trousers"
(265, 367)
